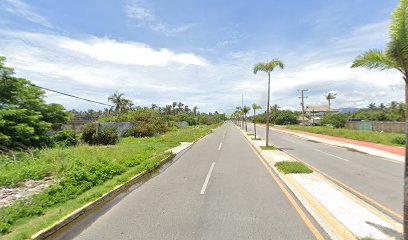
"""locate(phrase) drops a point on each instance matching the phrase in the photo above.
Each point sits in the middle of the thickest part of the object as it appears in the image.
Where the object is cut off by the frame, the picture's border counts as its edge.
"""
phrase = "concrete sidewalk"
(391, 152)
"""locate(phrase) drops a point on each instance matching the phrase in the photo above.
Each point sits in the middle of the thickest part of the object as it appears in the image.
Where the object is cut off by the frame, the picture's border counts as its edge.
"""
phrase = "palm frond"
(269, 66)
(373, 59)
(397, 48)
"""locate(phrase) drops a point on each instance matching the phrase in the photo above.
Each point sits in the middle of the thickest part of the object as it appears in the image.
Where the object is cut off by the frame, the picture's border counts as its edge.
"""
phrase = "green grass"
(87, 172)
(392, 139)
(256, 138)
(268, 148)
(250, 134)
(292, 167)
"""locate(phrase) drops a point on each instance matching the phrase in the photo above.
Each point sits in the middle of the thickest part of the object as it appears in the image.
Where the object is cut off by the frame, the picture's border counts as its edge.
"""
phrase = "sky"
(201, 53)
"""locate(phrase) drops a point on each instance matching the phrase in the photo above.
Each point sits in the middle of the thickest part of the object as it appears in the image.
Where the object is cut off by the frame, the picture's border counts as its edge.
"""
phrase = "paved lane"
(217, 190)
(375, 177)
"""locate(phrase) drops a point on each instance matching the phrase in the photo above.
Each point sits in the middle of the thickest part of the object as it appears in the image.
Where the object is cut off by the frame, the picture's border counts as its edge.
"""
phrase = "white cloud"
(95, 67)
(129, 52)
(144, 16)
(23, 10)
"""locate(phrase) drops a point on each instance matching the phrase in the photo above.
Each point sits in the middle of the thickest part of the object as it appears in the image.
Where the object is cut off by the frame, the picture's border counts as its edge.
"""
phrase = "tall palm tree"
(275, 108)
(255, 107)
(395, 56)
(245, 111)
(329, 97)
(268, 68)
(174, 107)
(180, 106)
(195, 110)
(120, 103)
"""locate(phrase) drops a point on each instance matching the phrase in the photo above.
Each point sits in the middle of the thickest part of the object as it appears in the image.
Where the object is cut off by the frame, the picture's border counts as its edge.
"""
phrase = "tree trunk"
(267, 110)
(246, 125)
(329, 104)
(406, 162)
(255, 124)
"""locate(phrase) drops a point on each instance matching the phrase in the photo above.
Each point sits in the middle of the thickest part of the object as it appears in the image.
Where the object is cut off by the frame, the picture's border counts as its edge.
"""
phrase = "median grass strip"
(268, 148)
(85, 173)
(392, 139)
(292, 167)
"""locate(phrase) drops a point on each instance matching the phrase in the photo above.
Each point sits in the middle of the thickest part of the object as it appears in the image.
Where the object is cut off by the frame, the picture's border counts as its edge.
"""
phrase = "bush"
(400, 140)
(89, 133)
(66, 137)
(336, 120)
(105, 136)
(284, 117)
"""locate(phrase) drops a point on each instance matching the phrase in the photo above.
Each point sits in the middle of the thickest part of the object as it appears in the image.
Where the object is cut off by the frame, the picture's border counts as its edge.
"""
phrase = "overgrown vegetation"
(396, 139)
(82, 168)
(292, 167)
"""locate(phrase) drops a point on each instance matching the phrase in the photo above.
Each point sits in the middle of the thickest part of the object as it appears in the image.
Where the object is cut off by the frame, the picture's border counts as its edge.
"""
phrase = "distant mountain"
(349, 110)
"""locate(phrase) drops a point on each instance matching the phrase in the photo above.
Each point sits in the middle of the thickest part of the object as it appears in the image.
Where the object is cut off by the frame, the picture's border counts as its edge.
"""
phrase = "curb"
(327, 221)
(43, 234)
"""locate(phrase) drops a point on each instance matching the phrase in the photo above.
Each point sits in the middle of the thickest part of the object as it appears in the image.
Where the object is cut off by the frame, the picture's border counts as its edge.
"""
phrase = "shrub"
(66, 137)
(400, 140)
(284, 117)
(107, 136)
(142, 130)
(89, 133)
(336, 120)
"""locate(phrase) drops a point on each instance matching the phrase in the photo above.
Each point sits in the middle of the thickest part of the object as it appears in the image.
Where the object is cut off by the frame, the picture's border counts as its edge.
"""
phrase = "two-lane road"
(219, 189)
(377, 180)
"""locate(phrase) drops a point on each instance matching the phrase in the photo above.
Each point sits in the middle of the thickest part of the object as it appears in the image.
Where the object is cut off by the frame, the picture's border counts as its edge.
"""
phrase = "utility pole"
(302, 91)
(242, 107)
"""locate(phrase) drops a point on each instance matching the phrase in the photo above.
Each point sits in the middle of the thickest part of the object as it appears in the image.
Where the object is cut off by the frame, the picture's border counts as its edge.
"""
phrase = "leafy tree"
(255, 107)
(25, 118)
(268, 68)
(336, 120)
(395, 56)
(329, 97)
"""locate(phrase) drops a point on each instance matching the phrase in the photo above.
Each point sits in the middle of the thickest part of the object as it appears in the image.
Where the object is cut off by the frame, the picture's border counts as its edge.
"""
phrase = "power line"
(69, 95)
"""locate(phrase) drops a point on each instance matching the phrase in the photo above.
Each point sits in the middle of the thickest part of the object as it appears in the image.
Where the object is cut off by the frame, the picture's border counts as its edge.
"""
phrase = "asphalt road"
(374, 177)
(218, 189)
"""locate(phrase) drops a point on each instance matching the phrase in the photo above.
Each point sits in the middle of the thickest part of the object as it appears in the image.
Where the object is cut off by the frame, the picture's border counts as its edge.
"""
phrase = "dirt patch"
(29, 188)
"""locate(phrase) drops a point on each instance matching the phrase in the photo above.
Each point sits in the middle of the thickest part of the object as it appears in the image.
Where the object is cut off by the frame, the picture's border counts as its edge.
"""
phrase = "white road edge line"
(333, 155)
(207, 179)
(219, 147)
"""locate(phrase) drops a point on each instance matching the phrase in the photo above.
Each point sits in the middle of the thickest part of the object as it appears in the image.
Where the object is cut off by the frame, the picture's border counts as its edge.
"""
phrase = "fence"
(395, 127)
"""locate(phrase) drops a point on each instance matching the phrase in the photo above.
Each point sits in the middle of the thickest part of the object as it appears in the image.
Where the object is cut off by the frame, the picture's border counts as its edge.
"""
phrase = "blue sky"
(198, 52)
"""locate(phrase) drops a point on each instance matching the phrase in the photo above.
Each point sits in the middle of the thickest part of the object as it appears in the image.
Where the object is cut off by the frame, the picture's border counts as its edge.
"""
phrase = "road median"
(341, 215)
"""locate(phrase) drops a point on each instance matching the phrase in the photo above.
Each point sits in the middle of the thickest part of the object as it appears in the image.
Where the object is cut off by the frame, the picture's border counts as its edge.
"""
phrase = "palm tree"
(275, 108)
(120, 103)
(174, 107)
(195, 110)
(180, 106)
(330, 96)
(255, 107)
(395, 56)
(245, 111)
(268, 68)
